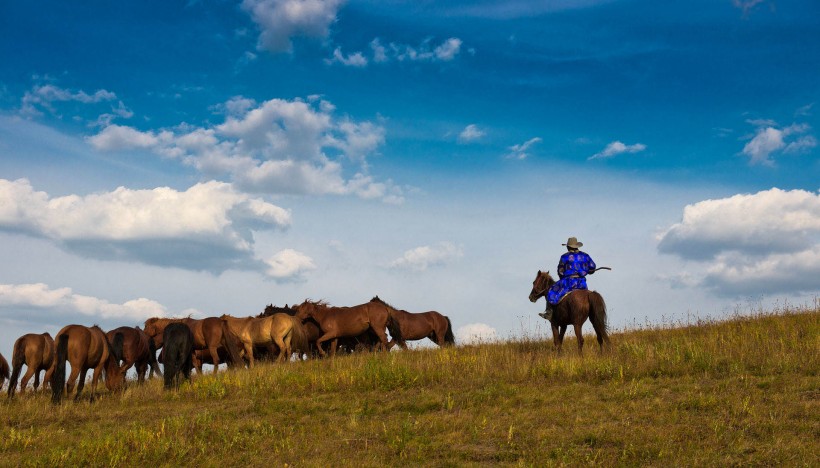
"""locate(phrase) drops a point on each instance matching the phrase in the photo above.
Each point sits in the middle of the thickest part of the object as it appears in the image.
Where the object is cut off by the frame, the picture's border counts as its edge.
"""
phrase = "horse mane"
(379, 300)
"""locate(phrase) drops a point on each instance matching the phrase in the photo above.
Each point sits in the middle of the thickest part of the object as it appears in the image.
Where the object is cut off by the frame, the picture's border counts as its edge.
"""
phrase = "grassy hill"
(743, 391)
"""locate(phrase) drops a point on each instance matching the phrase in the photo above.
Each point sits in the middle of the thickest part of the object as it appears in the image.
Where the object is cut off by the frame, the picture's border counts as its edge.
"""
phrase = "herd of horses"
(310, 329)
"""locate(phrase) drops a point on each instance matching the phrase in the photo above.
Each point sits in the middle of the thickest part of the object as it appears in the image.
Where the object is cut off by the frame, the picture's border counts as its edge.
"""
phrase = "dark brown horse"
(573, 310)
(209, 334)
(339, 322)
(137, 350)
(37, 353)
(4, 370)
(407, 326)
(86, 348)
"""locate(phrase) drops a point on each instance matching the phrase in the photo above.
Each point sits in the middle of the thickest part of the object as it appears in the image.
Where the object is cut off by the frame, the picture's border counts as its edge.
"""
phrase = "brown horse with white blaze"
(573, 309)
(37, 353)
(339, 322)
(209, 334)
(86, 348)
(283, 330)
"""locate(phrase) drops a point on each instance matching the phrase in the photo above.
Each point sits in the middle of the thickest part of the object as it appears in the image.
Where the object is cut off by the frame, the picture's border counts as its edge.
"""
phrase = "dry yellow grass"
(744, 391)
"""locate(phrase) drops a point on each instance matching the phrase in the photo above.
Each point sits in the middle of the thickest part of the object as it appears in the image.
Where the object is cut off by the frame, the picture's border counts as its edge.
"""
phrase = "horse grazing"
(137, 350)
(573, 310)
(283, 330)
(4, 370)
(341, 322)
(404, 326)
(86, 348)
(209, 334)
(178, 353)
(37, 353)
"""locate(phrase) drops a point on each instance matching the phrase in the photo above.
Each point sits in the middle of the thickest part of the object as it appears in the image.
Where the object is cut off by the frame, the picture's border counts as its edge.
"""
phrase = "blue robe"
(572, 271)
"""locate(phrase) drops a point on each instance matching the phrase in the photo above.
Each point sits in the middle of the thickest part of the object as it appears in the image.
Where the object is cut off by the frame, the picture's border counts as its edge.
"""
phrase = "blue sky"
(211, 157)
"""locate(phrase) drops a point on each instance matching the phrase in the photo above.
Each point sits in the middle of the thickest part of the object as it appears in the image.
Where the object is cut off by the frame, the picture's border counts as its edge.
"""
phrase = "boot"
(547, 314)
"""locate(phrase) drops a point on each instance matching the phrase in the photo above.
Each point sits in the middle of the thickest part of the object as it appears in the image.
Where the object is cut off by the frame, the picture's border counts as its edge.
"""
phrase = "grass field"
(744, 391)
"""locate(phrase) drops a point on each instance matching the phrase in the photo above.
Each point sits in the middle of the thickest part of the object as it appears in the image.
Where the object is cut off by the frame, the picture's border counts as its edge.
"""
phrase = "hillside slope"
(742, 391)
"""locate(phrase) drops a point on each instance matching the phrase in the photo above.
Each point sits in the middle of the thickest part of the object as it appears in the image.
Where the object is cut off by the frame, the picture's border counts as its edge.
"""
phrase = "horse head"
(540, 285)
(306, 310)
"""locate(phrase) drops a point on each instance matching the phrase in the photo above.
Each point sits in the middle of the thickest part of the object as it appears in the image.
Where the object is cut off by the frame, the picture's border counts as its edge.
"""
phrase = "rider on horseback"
(573, 268)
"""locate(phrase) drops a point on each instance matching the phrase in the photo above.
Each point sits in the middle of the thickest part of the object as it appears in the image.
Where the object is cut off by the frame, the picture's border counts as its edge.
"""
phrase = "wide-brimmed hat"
(573, 243)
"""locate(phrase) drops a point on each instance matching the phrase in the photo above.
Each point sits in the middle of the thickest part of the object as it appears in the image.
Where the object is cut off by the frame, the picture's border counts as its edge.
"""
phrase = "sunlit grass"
(741, 391)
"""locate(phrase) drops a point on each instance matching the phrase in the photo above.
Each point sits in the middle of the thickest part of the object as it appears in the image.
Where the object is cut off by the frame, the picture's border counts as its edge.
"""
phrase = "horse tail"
(171, 362)
(4, 370)
(117, 345)
(449, 338)
(18, 358)
(58, 377)
(298, 338)
(597, 315)
(152, 357)
(394, 327)
(230, 341)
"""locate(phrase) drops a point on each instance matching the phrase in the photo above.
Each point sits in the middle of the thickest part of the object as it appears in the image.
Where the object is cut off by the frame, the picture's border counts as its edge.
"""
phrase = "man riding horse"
(573, 268)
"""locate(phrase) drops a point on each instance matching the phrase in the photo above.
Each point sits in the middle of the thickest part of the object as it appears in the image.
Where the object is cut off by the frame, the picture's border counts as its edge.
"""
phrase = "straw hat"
(573, 243)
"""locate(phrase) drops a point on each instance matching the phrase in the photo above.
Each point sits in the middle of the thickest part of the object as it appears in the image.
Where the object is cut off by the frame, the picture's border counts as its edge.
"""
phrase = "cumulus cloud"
(475, 333)
(64, 301)
(207, 227)
(470, 134)
(521, 151)
(281, 20)
(615, 148)
(424, 257)
(770, 140)
(446, 51)
(289, 265)
(765, 242)
(277, 146)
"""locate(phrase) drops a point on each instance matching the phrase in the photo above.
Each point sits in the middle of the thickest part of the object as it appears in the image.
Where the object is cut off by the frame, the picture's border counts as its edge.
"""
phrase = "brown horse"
(4, 370)
(209, 334)
(137, 350)
(339, 322)
(37, 353)
(86, 348)
(405, 326)
(573, 310)
(283, 330)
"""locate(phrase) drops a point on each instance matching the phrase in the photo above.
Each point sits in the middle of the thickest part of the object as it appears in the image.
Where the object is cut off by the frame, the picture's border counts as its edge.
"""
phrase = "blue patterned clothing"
(572, 270)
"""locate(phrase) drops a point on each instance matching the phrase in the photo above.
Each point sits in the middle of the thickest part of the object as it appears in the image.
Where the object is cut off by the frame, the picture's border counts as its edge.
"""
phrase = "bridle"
(537, 294)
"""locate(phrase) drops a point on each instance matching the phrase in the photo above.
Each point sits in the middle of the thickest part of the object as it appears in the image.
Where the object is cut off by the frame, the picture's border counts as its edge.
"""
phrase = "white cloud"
(769, 140)
(277, 146)
(356, 59)
(448, 49)
(470, 134)
(746, 5)
(615, 148)
(207, 227)
(64, 301)
(282, 20)
(476, 333)
(520, 151)
(765, 242)
(421, 258)
(42, 97)
(289, 265)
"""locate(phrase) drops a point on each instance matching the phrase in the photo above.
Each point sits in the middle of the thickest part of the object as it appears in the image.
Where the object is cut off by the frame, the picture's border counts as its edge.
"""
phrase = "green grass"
(744, 391)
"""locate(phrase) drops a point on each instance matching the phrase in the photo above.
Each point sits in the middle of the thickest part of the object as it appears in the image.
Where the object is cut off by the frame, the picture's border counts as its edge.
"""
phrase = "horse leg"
(579, 335)
(81, 383)
(557, 338)
(382, 339)
(69, 386)
(249, 353)
(142, 369)
(25, 379)
(36, 380)
(214, 357)
(47, 377)
(95, 377)
(284, 347)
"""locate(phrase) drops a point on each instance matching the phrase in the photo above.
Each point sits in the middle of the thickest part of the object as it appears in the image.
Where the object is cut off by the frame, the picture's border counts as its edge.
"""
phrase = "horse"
(340, 322)
(209, 334)
(405, 326)
(4, 370)
(86, 348)
(37, 353)
(283, 330)
(177, 355)
(573, 309)
(137, 350)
